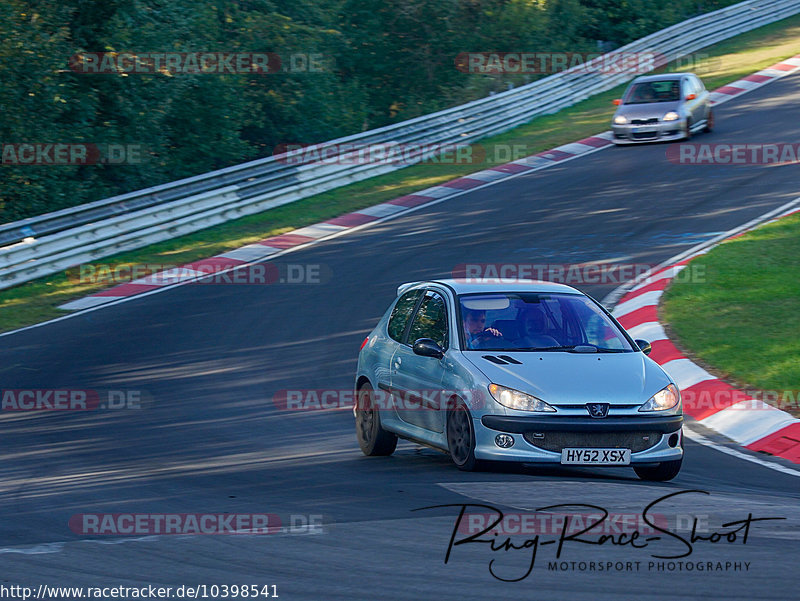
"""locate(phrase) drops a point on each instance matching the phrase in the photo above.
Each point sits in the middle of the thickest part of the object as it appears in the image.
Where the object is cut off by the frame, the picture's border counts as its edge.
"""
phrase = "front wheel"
(372, 438)
(660, 473)
(461, 438)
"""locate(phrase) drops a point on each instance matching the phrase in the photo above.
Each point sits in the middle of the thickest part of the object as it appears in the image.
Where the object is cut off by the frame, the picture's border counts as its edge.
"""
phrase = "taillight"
(363, 344)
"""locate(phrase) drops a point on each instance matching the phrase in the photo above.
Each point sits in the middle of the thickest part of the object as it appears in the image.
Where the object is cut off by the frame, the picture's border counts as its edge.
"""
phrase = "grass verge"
(741, 322)
(717, 65)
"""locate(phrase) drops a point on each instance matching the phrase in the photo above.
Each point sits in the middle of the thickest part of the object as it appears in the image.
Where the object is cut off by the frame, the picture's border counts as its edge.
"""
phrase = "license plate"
(595, 456)
(642, 130)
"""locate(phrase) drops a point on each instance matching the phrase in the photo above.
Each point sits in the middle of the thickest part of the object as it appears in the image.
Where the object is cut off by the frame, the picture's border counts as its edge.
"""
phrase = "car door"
(417, 381)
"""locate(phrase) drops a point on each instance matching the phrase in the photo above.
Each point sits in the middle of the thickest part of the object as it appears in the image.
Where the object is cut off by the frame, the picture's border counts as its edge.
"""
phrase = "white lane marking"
(435, 192)
(686, 373)
(651, 331)
(534, 161)
(748, 421)
(746, 84)
(318, 230)
(699, 438)
(575, 148)
(381, 210)
(251, 252)
(637, 302)
(486, 176)
(88, 302)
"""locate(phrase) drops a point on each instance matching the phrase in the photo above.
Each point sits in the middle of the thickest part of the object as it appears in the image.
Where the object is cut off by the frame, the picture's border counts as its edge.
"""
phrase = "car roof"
(661, 77)
(461, 286)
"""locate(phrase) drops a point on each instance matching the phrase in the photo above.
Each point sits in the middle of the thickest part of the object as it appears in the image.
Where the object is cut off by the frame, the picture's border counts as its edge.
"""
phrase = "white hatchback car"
(532, 372)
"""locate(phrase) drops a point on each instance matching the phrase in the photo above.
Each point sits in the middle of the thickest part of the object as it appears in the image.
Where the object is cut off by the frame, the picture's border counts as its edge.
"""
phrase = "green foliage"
(743, 315)
(383, 61)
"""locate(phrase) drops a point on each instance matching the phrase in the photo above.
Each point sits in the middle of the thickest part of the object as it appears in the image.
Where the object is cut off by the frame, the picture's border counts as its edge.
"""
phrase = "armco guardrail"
(46, 244)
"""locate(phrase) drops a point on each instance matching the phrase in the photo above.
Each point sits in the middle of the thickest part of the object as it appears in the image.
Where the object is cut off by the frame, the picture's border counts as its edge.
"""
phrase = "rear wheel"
(372, 438)
(461, 438)
(709, 122)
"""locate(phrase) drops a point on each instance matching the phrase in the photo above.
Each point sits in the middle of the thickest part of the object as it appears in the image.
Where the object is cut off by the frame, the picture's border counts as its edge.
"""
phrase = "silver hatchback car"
(666, 107)
(532, 372)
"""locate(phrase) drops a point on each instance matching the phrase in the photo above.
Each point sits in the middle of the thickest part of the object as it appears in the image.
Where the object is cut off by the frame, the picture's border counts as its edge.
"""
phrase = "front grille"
(555, 441)
(644, 121)
(645, 135)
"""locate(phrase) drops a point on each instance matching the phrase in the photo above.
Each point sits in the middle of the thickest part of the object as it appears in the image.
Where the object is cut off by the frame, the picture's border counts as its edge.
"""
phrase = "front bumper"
(663, 131)
(588, 432)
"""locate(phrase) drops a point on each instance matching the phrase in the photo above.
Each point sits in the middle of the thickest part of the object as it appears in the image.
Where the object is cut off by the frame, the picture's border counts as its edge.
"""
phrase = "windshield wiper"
(545, 348)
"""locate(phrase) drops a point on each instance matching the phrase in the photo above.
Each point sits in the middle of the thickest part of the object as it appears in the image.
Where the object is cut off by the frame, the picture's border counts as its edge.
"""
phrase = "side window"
(698, 85)
(401, 314)
(430, 320)
(688, 87)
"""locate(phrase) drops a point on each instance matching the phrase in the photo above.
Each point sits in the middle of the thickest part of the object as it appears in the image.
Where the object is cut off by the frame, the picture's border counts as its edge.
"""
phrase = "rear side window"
(401, 313)
(698, 85)
(430, 321)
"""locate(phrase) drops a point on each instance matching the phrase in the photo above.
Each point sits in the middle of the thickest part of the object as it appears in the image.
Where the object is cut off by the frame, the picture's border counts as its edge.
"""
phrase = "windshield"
(654, 91)
(530, 321)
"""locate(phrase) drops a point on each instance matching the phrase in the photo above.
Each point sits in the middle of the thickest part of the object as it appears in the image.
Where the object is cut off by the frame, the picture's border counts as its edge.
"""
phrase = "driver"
(476, 333)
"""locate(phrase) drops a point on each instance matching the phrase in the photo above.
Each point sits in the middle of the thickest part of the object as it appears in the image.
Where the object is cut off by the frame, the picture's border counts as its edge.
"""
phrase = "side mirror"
(644, 346)
(425, 347)
(618, 101)
(691, 96)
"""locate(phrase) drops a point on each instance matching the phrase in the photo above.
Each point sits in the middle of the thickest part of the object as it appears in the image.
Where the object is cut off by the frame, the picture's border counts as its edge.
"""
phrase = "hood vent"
(502, 359)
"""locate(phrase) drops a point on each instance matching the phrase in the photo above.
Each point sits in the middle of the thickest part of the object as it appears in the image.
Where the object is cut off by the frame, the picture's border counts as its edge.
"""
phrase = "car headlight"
(671, 116)
(514, 399)
(667, 398)
(620, 120)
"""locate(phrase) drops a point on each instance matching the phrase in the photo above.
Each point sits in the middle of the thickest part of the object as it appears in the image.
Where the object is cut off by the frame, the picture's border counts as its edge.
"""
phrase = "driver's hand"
(490, 332)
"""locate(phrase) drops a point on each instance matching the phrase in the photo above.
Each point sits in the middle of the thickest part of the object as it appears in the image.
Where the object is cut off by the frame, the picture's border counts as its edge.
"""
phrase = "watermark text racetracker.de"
(326, 399)
(65, 153)
(197, 63)
(573, 273)
(216, 270)
(403, 400)
(715, 399)
(536, 63)
(72, 399)
(398, 153)
(555, 62)
(733, 154)
(158, 524)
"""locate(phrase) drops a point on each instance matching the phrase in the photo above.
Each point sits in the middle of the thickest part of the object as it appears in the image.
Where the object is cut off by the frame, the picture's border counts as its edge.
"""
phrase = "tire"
(709, 122)
(461, 438)
(688, 130)
(372, 438)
